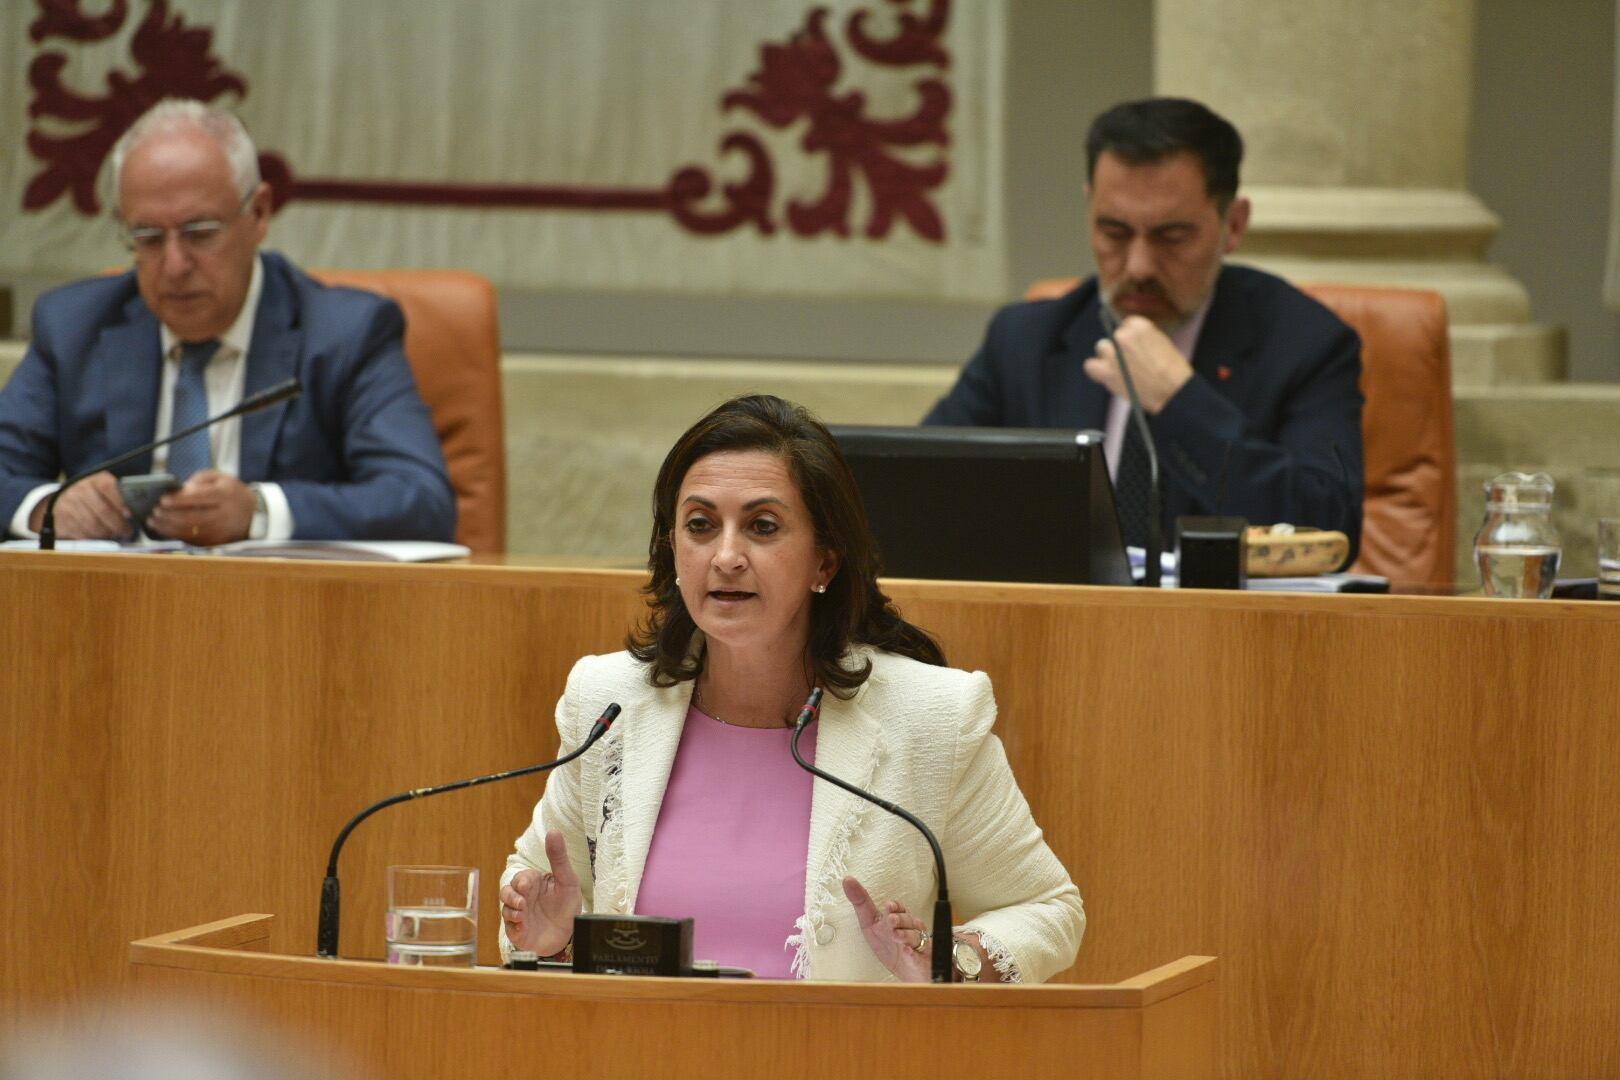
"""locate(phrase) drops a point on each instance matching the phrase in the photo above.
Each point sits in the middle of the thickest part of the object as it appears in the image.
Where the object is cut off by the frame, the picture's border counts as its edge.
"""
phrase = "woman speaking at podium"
(763, 585)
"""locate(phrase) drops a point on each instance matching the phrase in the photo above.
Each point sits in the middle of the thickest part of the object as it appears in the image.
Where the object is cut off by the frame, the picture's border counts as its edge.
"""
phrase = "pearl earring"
(818, 588)
(677, 581)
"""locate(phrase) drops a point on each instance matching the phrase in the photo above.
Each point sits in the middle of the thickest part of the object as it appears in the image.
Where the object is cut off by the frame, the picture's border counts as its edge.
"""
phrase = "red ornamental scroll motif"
(175, 61)
(794, 84)
(795, 81)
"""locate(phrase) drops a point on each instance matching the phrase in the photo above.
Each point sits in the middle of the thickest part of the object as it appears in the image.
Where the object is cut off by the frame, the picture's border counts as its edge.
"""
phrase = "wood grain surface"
(1390, 817)
(423, 1024)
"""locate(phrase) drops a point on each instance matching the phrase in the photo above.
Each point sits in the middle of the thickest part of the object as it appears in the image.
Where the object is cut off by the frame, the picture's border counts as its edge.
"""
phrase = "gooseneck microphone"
(941, 969)
(1153, 542)
(265, 398)
(326, 932)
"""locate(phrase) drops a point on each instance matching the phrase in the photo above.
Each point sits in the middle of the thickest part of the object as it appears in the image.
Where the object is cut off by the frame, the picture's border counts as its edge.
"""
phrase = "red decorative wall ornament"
(793, 84)
(174, 61)
(62, 18)
(920, 39)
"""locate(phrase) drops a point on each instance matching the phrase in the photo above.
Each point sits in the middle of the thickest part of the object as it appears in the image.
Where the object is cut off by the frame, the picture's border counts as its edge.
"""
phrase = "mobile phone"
(141, 493)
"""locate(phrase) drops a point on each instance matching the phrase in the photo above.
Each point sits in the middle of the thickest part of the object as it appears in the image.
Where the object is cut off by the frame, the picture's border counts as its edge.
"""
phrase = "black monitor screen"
(988, 504)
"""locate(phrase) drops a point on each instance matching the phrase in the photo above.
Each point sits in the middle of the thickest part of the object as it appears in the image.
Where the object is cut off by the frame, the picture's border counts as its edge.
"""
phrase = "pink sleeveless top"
(731, 843)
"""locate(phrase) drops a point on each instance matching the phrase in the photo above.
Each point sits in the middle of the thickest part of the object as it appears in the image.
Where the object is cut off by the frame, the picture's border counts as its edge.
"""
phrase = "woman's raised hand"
(897, 937)
(539, 908)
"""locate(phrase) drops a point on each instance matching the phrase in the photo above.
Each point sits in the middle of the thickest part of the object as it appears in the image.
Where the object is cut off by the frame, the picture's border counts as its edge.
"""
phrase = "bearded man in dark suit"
(1251, 388)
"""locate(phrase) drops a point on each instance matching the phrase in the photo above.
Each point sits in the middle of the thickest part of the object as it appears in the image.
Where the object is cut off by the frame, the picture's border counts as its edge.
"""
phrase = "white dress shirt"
(226, 376)
(1185, 340)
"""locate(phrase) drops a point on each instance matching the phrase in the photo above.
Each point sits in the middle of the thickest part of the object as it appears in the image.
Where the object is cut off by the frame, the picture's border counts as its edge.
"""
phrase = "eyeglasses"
(194, 236)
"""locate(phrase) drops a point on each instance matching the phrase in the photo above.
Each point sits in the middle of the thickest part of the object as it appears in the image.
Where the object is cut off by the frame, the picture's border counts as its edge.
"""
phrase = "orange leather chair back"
(1051, 288)
(453, 341)
(1409, 514)
(1409, 517)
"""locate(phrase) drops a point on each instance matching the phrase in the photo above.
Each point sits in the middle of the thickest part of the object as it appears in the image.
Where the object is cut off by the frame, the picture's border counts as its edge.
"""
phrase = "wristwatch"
(259, 527)
(967, 960)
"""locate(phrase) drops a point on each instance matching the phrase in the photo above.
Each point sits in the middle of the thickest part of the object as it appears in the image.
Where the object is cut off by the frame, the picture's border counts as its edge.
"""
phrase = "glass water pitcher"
(1518, 549)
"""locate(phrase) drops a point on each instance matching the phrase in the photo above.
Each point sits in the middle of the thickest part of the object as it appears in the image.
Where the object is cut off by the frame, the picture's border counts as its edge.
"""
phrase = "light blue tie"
(191, 407)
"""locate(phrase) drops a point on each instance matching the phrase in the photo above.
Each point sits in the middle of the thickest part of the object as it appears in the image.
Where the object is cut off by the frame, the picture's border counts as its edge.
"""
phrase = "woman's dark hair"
(853, 610)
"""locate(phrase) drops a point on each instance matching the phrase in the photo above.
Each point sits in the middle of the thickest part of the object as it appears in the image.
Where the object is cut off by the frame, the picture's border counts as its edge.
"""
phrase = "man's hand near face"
(213, 508)
(1157, 367)
(92, 509)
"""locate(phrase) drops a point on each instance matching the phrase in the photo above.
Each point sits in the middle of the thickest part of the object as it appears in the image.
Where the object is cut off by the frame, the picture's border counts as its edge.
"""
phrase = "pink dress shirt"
(731, 843)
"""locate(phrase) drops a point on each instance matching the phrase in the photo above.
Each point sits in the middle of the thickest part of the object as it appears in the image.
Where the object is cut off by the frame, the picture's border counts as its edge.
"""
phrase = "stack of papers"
(350, 550)
(404, 551)
(104, 547)
(1321, 583)
(1318, 583)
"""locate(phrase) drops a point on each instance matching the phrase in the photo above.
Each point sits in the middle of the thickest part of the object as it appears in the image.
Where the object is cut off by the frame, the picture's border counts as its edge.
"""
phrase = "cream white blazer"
(914, 734)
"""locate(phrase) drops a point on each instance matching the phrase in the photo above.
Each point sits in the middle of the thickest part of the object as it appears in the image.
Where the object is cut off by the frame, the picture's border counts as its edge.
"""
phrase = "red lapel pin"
(1223, 373)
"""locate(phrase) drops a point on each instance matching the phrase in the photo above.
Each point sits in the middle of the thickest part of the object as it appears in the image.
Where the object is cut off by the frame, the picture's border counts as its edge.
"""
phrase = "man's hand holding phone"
(92, 509)
(141, 494)
(210, 508)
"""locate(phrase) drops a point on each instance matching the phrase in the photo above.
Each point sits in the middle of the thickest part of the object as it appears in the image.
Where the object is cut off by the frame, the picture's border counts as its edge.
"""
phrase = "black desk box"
(1211, 552)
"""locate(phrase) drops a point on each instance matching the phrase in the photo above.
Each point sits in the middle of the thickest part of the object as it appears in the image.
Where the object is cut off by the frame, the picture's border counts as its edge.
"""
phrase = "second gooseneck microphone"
(941, 966)
(326, 933)
(1153, 542)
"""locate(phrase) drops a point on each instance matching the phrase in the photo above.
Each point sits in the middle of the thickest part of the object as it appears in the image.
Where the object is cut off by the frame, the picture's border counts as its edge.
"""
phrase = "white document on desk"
(99, 547)
(1318, 583)
(404, 551)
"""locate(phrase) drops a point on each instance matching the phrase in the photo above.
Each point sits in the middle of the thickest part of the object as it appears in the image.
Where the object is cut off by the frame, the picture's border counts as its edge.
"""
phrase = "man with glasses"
(204, 319)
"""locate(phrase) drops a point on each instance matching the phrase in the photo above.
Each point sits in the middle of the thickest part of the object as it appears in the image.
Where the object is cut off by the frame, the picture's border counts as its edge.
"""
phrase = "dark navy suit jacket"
(356, 454)
(1269, 426)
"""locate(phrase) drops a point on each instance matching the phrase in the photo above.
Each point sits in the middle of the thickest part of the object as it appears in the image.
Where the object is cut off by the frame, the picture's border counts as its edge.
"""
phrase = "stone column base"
(1421, 238)
(1497, 354)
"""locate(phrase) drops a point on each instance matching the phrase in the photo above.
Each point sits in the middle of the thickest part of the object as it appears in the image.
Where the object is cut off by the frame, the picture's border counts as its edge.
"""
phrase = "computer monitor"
(988, 504)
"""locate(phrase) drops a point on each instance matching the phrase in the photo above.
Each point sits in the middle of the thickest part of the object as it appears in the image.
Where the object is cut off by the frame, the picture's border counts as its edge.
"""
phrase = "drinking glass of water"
(1608, 558)
(432, 916)
(1518, 549)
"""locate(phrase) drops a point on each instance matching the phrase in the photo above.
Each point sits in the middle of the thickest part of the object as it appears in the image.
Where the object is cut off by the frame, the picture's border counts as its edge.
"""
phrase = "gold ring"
(922, 942)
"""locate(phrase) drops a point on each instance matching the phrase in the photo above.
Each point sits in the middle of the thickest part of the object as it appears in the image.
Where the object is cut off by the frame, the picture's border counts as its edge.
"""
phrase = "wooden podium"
(1387, 815)
(405, 1023)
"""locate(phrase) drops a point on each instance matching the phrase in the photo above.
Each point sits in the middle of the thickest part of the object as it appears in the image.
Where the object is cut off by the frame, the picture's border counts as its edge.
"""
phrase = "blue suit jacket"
(356, 454)
(1269, 427)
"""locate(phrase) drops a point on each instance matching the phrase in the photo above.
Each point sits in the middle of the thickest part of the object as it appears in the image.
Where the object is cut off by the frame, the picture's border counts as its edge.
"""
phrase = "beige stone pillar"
(1355, 118)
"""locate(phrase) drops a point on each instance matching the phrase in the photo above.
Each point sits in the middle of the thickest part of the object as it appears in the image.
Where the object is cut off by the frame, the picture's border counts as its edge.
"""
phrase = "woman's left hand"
(898, 938)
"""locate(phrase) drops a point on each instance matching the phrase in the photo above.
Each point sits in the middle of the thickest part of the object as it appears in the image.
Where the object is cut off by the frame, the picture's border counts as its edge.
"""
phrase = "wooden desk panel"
(1386, 815)
(187, 737)
(1389, 816)
(406, 1024)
